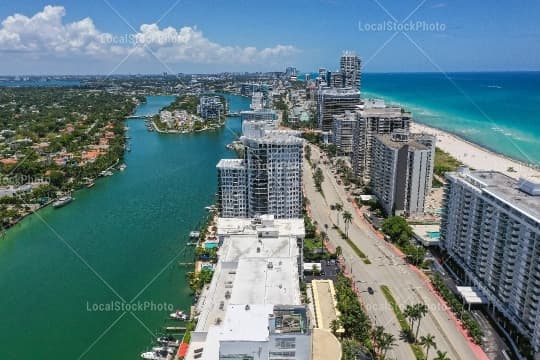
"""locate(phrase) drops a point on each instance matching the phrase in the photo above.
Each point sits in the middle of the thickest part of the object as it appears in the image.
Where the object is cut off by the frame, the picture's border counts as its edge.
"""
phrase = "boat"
(191, 244)
(167, 341)
(210, 207)
(153, 355)
(194, 234)
(105, 173)
(179, 315)
(122, 167)
(160, 349)
(64, 200)
(90, 184)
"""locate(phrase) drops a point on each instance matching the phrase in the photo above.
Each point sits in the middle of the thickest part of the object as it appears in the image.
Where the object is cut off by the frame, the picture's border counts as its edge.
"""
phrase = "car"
(370, 290)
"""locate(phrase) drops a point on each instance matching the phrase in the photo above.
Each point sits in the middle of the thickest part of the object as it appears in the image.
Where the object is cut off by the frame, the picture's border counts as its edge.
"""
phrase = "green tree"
(410, 315)
(318, 179)
(428, 342)
(307, 152)
(347, 218)
(420, 311)
(397, 229)
(335, 325)
(339, 208)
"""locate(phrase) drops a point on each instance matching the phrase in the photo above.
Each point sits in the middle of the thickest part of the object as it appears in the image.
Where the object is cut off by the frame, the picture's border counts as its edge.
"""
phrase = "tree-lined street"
(386, 268)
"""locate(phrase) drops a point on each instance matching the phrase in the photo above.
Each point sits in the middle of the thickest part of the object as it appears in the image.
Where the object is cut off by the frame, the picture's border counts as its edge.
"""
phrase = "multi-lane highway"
(386, 268)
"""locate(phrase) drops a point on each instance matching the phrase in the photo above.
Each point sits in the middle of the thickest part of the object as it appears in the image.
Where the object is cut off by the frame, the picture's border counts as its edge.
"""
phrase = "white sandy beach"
(475, 156)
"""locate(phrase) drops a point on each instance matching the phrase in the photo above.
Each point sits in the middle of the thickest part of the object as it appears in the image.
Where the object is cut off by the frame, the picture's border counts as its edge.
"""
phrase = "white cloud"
(46, 33)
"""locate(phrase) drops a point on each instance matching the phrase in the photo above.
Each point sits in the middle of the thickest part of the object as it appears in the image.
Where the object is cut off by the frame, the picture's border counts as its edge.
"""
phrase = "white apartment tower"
(232, 188)
(402, 167)
(375, 118)
(343, 130)
(269, 178)
(491, 228)
(350, 70)
(335, 101)
(274, 175)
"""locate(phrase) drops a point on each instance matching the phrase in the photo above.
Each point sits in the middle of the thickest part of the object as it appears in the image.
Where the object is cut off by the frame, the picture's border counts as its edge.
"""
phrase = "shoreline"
(476, 156)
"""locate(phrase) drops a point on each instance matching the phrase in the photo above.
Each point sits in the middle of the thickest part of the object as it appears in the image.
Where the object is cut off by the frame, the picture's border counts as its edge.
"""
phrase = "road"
(386, 268)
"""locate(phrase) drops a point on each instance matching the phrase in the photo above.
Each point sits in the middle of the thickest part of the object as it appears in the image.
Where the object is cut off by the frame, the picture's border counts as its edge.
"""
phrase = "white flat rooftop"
(266, 281)
(250, 246)
(247, 322)
(228, 226)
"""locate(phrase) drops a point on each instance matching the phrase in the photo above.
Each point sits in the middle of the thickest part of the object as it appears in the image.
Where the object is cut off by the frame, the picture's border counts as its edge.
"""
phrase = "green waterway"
(122, 238)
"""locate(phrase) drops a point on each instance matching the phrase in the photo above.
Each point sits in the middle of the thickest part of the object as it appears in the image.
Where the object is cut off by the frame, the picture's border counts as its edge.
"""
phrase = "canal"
(67, 274)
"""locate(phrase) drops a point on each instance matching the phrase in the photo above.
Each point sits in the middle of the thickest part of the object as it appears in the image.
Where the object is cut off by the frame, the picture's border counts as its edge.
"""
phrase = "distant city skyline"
(131, 37)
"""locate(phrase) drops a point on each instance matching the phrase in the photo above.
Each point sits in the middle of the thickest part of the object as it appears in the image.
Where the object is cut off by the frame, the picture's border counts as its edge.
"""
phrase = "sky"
(203, 36)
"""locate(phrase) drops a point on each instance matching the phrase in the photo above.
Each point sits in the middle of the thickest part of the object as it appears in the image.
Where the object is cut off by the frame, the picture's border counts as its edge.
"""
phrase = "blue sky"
(87, 37)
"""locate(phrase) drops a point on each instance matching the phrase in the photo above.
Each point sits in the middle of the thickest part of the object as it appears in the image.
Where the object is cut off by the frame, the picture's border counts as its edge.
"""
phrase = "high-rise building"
(274, 175)
(401, 166)
(335, 80)
(343, 130)
(269, 178)
(322, 74)
(350, 70)
(259, 115)
(232, 188)
(375, 118)
(490, 227)
(335, 101)
(210, 108)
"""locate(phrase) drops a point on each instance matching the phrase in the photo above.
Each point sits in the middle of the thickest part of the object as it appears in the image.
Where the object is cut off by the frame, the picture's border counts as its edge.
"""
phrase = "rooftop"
(340, 92)
(266, 281)
(388, 140)
(230, 164)
(504, 188)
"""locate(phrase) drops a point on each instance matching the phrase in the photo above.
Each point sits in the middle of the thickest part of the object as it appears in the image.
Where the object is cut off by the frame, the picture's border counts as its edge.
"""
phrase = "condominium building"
(210, 108)
(322, 74)
(350, 70)
(274, 175)
(401, 166)
(491, 227)
(259, 115)
(269, 177)
(343, 130)
(374, 118)
(252, 308)
(257, 101)
(247, 89)
(335, 101)
(257, 129)
(232, 188)
(335, 79)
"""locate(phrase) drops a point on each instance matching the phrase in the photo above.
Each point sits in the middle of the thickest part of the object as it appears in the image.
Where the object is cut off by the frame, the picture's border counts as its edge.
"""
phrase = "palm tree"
(428, 342)
(409, 314)
(387, 342)
(339, 209)
(347, 218)
(441, 355)
(420, 311)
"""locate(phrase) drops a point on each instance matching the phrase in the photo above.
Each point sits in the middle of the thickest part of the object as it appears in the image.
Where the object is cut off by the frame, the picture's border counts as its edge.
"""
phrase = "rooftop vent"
(529, 187)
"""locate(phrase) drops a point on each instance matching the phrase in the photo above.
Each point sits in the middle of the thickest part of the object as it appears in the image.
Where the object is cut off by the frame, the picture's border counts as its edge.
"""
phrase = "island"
(191, 113)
